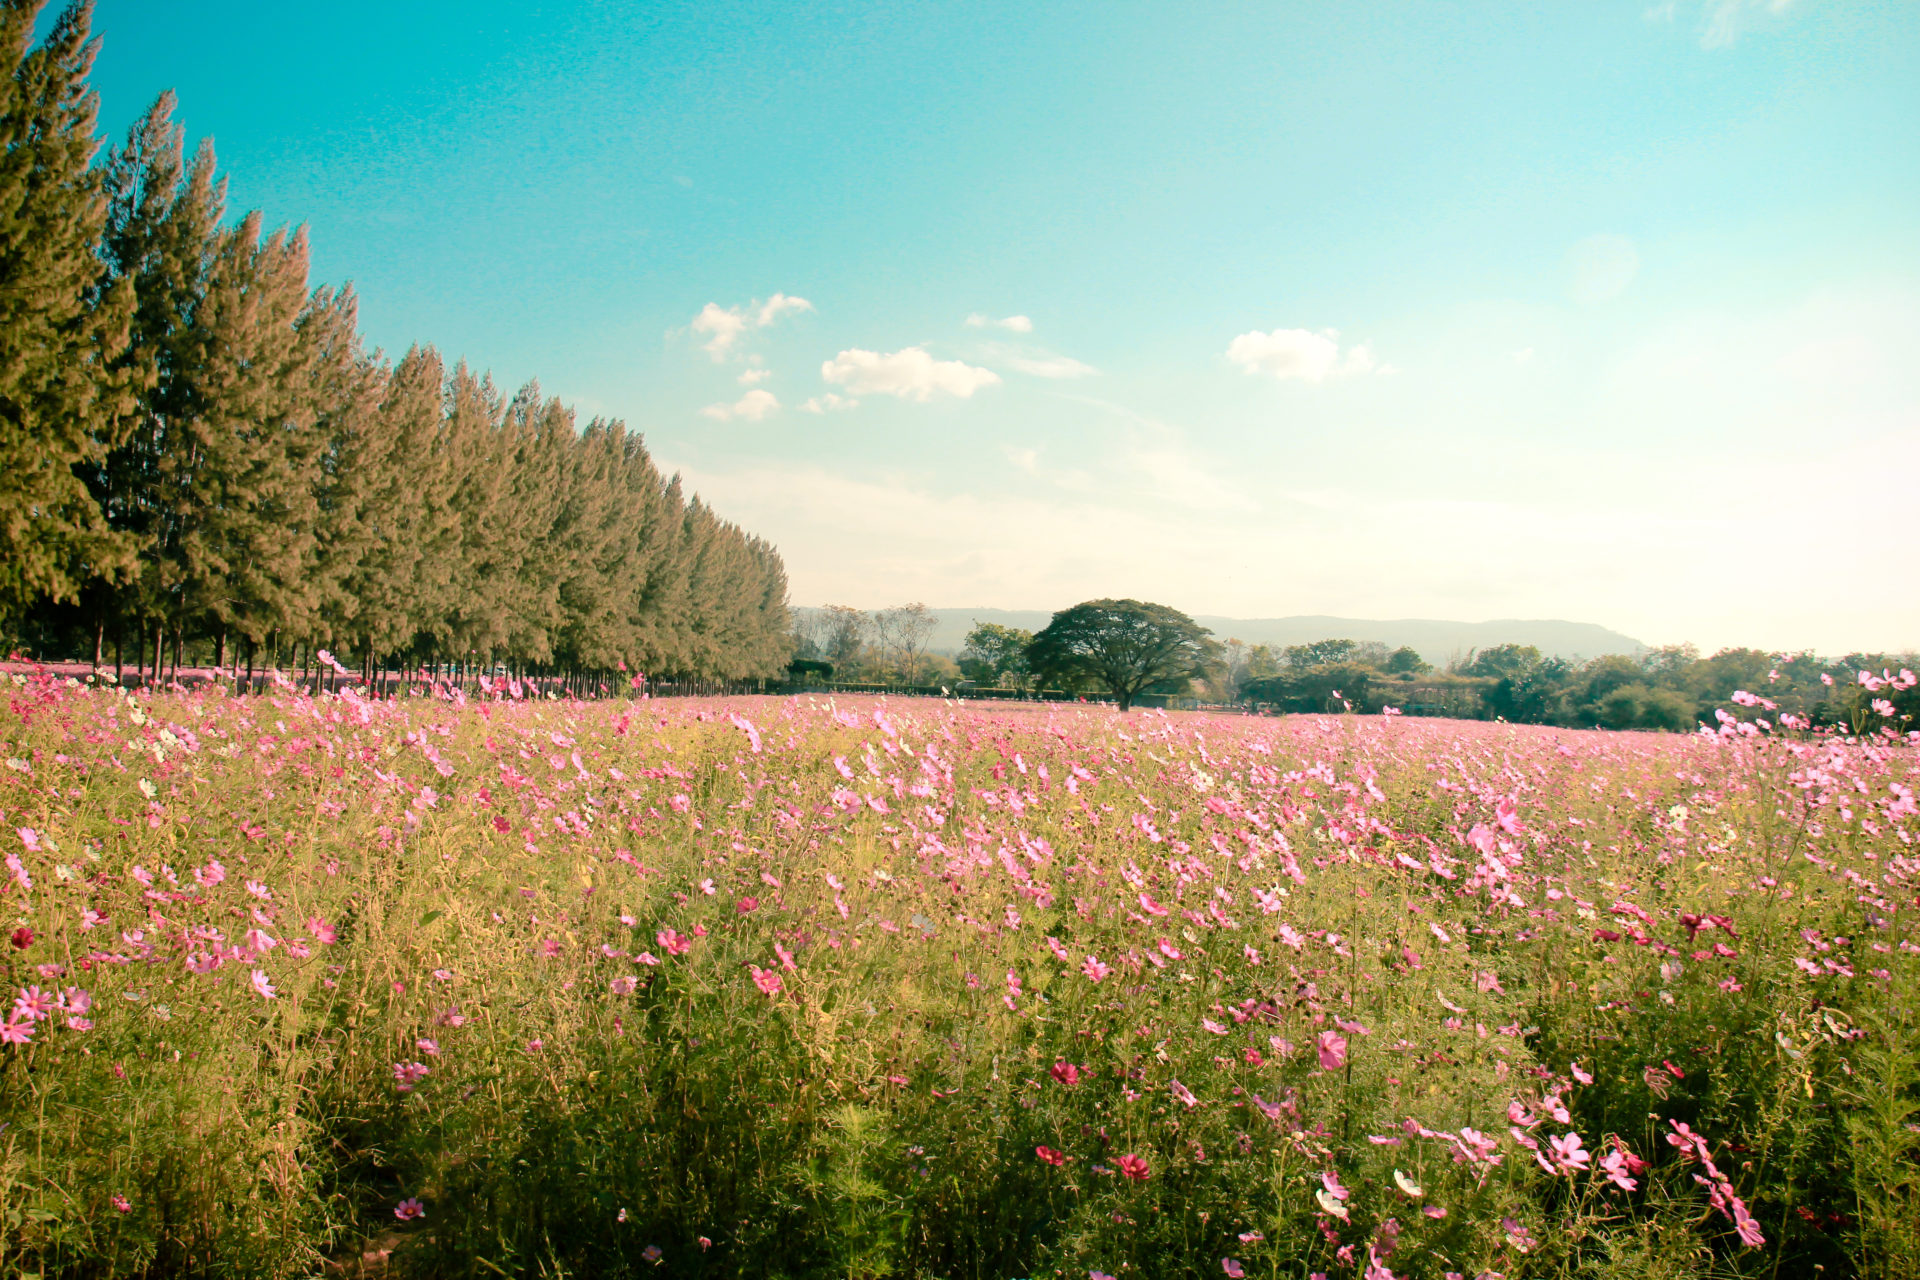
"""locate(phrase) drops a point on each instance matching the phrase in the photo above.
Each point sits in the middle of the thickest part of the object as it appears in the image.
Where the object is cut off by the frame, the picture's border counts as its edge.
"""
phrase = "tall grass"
(795, 988)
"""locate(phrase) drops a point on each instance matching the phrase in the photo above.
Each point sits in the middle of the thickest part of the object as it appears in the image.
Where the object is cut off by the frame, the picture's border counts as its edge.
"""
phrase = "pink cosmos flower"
(1333, 1051)
(1331, 1181)
(429, 1047)
(1049, 1156)
(262, 985)
(1614, 1165)
(409, 1209)
(1094, 969)
(1568, 1158)
(675, 944)
(623, 985)
(1133, 1168)
(767, 980)
(321, 930)
(1066, 1073)
(120, 1203)
(786, 958)
(1183, 1094)
(16, 1030)
(33, 1004)
(1233, 1269)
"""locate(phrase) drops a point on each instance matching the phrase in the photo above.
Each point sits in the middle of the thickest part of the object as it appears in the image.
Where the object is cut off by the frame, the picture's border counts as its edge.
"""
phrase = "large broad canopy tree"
(1126, 645)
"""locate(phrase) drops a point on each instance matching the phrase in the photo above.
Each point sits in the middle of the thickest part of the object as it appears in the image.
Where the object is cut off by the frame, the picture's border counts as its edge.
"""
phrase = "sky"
(1449, 310)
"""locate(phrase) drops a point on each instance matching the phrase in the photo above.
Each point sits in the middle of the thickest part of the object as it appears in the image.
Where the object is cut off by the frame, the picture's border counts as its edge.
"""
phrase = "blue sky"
(1602, 311)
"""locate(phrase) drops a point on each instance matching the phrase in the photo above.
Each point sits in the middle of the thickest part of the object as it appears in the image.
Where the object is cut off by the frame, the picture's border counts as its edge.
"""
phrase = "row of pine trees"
(198, 452)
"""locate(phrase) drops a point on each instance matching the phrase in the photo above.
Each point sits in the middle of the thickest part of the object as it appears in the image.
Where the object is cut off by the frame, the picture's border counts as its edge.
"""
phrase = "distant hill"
(1436, 641)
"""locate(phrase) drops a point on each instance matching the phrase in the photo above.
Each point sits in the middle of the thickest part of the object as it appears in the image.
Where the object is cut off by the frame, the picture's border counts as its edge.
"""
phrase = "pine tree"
(162, 235)
(248, 541)
(341, 393)
(62, 323)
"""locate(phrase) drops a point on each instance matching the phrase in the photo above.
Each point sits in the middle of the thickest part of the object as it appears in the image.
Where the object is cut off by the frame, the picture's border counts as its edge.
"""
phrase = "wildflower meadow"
(446, 985)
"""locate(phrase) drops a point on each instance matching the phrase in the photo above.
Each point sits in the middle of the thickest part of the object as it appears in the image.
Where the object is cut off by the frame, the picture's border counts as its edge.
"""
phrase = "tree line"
(204, 458)
(1125, 649)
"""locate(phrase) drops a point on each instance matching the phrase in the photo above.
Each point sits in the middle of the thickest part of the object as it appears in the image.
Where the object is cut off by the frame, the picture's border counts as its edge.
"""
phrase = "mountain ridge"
(1436, 640)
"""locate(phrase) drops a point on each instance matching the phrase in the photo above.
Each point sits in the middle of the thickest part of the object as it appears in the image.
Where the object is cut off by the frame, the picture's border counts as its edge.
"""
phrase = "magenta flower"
(1233, 1269)
(263, 986)
(1133, 1168)
(1333, 1051)
(1094, 969)
(675, 944)
(33, 1004)
(1567, 1156)
(767, 980)
(16, 1031)
(409, 1209)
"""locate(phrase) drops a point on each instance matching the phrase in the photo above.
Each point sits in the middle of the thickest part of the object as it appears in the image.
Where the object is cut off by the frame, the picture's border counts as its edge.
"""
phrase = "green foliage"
(996, 655)
(1406, 661)
(1125, 645)
(63, 322)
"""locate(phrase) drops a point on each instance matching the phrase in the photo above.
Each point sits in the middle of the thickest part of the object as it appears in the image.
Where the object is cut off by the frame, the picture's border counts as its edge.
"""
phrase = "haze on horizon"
(1513, 311)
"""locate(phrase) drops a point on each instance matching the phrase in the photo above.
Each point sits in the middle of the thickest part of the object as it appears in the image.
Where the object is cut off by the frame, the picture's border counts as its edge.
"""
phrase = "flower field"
(792, 988)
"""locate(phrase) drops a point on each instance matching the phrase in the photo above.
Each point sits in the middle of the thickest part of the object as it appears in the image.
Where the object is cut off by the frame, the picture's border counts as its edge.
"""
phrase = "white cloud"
(725, 325)
(778, 305)
(828, 403)
(753, 377)
(1015, 324)
(1722, 21)
(1050, 366)
(1028, 460)
(909, 373)
(753, 406)
(1299, 353)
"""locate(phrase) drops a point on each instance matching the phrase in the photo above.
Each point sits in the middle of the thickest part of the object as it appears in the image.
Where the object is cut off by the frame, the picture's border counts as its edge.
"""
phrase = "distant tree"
(996, 655)
(1504, 660)
(1406, 661)
(846, 631)
(1641, 706)
(1125, 645)
(1319, 653)
(907, 628)
(1536, 690)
